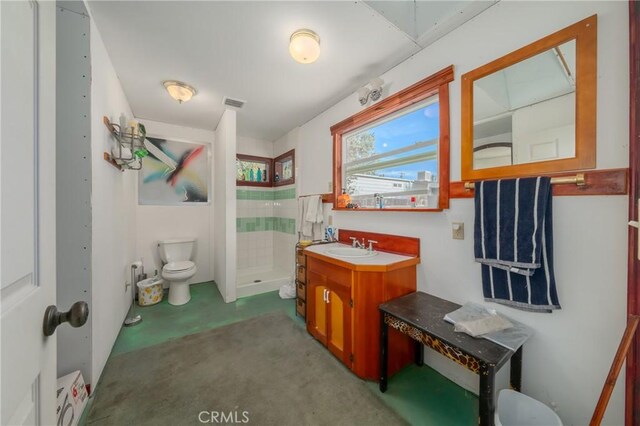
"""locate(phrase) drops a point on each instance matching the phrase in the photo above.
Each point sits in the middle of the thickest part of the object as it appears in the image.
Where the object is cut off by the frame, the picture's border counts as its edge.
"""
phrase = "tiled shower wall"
(265, 224)
(285, 206)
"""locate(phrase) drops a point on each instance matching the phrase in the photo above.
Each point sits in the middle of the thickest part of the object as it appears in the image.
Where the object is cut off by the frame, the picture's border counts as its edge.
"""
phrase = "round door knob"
(76, 317)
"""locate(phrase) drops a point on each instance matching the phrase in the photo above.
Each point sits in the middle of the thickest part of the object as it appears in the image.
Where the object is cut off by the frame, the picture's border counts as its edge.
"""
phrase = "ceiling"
(240, 50)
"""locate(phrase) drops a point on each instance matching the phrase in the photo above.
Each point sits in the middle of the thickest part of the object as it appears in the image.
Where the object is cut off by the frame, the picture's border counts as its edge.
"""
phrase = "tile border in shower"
(257, 224)
(266, 194)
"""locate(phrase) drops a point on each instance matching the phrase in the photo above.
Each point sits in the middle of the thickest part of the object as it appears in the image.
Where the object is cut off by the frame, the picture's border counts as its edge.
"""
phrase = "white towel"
(314, 210)
(310, 217)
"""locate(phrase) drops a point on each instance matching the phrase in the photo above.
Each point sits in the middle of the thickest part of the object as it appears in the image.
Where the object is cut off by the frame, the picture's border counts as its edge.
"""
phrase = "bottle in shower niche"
(264, 175)
(259, 175)
(251, 175)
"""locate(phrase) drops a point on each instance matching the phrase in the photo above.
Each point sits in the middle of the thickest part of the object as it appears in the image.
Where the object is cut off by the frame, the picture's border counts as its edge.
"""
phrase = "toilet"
(518, 409)
(178, 267)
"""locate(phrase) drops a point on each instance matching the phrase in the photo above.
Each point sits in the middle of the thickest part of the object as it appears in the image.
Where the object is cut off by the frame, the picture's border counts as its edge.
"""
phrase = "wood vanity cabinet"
(329, 307)
(342, 311)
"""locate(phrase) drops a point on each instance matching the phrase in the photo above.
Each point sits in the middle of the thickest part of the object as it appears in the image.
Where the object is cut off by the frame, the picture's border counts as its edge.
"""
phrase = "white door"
(27, 211)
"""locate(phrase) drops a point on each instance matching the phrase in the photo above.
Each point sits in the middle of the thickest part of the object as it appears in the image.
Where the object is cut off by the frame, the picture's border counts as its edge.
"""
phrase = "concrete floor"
(418, 394)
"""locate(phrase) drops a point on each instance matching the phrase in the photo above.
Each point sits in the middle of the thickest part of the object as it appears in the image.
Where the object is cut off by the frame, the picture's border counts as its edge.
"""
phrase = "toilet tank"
(176, 250)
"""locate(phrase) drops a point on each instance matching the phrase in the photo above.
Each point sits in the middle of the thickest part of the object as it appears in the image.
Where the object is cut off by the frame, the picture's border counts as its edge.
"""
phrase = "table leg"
(515, 378)
(419, 350)
(384, 354)
(487, 403)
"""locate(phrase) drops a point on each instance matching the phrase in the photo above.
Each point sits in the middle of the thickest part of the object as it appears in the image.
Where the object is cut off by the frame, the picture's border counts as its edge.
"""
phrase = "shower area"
(265, 226)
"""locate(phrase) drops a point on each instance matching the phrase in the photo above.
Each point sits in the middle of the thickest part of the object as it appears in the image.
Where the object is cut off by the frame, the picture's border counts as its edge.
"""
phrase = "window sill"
(250, 183)
(435, 210)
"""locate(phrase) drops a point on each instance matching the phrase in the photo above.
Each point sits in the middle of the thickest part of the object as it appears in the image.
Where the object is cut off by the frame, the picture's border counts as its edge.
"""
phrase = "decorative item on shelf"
(129, 147)
(344, 199)
(379, 201)
(374, 92)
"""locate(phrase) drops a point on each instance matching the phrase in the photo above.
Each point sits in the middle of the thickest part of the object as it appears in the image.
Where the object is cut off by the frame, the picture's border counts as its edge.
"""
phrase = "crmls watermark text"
(232, 416)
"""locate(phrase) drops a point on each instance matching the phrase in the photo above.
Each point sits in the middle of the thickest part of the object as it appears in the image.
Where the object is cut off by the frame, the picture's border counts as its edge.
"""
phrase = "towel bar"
(578, 179)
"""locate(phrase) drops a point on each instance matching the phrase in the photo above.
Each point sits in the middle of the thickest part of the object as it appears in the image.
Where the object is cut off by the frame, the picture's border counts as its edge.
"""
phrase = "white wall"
(156, 223)
(566, 362)
(224, 206)
(252, 146)
(113, 211)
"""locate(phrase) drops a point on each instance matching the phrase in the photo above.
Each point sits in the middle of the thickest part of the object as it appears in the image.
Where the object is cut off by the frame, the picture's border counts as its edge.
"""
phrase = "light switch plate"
(457, 230)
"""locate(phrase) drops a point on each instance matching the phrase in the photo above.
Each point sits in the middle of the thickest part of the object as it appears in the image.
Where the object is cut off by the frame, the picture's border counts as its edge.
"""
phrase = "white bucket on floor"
(150, 291)
(518, 409)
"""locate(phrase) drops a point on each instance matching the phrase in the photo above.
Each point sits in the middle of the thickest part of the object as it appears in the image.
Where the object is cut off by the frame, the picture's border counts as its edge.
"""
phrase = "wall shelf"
(111, 161)
(132, 141)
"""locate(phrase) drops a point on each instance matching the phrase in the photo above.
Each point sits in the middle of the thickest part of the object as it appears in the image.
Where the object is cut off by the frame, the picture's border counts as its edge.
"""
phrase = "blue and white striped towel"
(514, 242)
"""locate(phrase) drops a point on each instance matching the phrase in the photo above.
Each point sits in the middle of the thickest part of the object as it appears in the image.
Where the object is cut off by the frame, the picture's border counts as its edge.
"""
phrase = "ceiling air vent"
(234, 103)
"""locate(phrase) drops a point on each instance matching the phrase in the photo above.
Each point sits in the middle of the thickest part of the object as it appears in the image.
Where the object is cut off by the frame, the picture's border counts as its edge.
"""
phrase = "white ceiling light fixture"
(179, 91)
(304, 46)
(374, 91)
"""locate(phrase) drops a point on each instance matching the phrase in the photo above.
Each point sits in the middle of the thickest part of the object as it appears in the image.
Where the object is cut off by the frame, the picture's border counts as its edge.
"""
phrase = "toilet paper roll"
(136, 264)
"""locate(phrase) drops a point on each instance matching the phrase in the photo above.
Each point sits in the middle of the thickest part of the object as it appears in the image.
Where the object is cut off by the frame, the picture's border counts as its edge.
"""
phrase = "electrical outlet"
(457, 230)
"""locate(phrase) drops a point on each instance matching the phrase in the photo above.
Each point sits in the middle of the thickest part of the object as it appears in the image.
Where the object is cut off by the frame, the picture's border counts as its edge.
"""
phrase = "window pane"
(396, 157)
(252, 171)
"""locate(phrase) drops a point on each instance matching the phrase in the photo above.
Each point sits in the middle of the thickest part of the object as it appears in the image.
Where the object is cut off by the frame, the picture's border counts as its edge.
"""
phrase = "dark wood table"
(421, 316)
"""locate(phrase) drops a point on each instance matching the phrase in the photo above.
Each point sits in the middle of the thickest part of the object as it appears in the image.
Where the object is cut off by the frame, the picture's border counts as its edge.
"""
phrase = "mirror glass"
(525, 113)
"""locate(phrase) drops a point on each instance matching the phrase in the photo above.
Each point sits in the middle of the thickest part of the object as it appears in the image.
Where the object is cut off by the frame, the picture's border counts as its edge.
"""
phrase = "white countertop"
(380, 259)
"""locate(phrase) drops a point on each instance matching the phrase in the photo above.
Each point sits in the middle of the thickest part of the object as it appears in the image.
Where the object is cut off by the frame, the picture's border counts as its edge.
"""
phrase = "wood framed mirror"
(533, 111)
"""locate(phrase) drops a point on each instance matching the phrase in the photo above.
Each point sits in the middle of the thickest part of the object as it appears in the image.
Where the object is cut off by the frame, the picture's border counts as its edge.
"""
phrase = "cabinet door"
(317, 323)
(339, 316)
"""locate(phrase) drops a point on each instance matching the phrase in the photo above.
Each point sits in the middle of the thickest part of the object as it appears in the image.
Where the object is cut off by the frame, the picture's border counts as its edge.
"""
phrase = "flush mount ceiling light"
(304, 46)
(374, 92)
(179, 91)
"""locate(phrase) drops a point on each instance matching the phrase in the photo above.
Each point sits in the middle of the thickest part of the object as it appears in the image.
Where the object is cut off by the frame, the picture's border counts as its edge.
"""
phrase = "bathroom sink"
(350, 252)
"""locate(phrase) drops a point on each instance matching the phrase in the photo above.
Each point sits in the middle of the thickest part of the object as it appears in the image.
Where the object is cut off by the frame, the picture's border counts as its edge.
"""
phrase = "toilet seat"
(181, 266)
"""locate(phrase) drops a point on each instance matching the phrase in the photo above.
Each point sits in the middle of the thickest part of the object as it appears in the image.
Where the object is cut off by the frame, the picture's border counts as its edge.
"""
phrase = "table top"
(426, 312)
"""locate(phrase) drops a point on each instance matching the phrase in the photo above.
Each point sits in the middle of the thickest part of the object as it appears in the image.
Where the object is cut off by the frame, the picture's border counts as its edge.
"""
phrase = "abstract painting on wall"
(174, 173)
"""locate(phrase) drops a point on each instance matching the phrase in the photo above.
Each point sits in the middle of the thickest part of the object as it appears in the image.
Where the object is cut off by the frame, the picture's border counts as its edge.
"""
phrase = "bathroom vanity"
(343, 291)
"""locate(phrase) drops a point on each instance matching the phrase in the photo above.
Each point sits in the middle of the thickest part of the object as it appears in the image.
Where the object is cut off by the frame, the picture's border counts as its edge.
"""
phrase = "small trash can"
(150, 291)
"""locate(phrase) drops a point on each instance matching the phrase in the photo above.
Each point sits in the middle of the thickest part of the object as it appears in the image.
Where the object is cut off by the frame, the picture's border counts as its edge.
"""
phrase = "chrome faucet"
(356, 244)
(371, 243)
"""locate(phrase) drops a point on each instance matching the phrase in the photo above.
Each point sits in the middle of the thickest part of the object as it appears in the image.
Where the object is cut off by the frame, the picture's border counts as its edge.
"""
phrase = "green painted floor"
(205, 311)
(418, 394)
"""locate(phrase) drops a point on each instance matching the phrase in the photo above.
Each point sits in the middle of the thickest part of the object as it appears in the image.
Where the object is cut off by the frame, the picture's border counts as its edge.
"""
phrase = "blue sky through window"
(417, 126)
